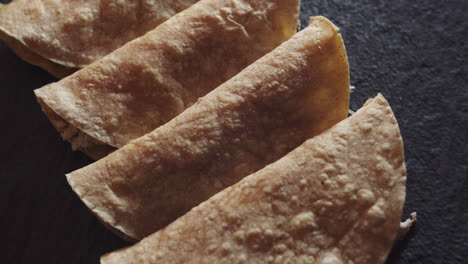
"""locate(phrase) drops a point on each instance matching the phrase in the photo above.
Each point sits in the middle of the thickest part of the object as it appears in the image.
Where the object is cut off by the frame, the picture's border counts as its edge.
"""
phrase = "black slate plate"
(413, 52)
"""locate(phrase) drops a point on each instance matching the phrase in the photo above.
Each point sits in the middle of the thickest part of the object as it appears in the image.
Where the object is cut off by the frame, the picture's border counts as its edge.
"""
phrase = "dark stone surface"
(413, 52)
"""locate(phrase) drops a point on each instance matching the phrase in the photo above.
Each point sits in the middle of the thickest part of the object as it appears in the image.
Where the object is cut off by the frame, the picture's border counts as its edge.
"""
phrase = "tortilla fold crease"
(152, 79)
(62, 36)
(293, 93)
(338, 198)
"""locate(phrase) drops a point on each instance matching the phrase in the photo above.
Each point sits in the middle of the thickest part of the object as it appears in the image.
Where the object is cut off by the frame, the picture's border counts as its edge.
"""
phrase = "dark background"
(413, 52)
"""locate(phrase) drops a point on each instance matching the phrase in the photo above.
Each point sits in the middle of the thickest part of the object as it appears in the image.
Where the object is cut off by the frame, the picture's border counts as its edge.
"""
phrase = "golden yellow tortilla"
(152, 79)
(62, 36)
(291, 94)
(338, 198)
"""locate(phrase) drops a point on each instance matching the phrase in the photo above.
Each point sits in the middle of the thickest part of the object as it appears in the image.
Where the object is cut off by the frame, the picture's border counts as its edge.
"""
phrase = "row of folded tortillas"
(291, 94)
(150, 80)
(64, 35)
(337, 198)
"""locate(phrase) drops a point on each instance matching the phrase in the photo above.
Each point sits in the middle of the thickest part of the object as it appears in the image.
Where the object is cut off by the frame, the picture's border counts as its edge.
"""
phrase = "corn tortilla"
(62, 36)
(291, 94)
(152, 79)
(338, 198)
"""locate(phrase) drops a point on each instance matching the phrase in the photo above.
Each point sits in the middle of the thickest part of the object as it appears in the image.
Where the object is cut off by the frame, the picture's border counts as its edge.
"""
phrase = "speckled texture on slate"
(413, 52)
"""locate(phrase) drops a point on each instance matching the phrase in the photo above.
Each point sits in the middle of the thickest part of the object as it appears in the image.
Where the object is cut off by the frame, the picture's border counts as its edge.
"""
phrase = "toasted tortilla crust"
(64, 35)
(152, 79)
(26, 54)
(291, 94)
(78, 139)
(338, 198)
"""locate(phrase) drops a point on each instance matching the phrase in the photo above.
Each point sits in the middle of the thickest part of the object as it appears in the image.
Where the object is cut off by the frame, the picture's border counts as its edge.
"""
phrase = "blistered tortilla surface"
(68, 34)
(293, 93)
(338, 198)
(149, 81)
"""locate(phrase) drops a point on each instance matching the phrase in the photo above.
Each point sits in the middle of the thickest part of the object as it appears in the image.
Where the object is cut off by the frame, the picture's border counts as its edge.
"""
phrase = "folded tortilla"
(64, 35)
(291, 94)
(152, 79)
(338, 198)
